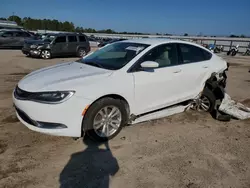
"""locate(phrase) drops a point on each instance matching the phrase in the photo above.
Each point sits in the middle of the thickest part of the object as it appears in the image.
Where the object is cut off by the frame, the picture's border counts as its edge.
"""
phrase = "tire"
(94, 112)
(81, 52)
(246, 53)
(229, 52)
(45, 54)
(210, 97)
(234, 53)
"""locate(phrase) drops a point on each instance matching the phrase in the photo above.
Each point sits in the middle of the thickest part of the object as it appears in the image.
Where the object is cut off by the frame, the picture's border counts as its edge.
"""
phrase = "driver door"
(60, 46)
(159, 87)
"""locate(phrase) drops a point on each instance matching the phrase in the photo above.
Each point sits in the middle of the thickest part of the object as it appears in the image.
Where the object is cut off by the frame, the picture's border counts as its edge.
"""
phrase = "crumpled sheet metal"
(235, 109)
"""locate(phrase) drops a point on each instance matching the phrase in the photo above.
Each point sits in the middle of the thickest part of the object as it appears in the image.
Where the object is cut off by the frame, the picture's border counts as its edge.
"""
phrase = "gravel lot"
(190, 150)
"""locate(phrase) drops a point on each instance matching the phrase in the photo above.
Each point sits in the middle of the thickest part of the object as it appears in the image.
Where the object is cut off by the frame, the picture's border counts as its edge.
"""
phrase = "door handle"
(177, 71)
(205, 66)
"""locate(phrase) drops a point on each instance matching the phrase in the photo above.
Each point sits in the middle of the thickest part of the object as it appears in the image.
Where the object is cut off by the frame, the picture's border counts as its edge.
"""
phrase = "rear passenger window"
(82, 39)
(191, 54)
(72, 38)
(207, 55)
(22, 34)
(60, 39)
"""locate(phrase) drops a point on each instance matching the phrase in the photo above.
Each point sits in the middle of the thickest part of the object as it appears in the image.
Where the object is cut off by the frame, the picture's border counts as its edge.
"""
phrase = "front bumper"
(64, 119)
(31, 52)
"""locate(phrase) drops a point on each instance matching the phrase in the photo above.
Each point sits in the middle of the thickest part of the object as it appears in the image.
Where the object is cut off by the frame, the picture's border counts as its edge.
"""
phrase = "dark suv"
(11, 38)
(55, 45)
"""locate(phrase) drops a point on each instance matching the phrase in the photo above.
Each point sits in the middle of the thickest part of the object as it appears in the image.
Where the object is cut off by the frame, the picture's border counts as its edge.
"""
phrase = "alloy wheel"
(45, 54)
(107, 121)
(204, 104)
(82, 52)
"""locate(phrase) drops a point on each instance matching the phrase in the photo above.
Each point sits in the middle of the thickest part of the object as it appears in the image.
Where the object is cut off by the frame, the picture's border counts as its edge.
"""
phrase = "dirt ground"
(189, 150)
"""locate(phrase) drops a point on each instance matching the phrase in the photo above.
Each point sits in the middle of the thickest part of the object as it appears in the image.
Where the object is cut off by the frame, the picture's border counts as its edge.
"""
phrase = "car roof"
(159, 41)
(156, 41)
(12, 30)
(67, 34)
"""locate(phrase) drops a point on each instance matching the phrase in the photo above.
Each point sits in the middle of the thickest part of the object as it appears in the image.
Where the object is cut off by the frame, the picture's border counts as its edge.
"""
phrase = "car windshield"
(114, 56)
(48, 38)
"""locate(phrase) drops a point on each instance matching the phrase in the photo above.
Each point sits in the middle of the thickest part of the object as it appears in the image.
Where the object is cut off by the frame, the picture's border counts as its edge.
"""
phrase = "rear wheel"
(105, 119)
(233, 53)
(45, 54)
(81, 52)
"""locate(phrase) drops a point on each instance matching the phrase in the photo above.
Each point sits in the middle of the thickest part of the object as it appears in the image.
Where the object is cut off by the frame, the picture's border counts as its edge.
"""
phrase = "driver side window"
(165, 55)
(7, 34)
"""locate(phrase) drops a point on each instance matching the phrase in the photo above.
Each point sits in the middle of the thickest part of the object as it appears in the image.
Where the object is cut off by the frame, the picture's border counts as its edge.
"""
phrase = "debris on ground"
(233, 108)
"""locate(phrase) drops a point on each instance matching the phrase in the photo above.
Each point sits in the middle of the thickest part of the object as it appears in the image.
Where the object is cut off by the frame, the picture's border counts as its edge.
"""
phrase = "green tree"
(185, 34)
(16, 19)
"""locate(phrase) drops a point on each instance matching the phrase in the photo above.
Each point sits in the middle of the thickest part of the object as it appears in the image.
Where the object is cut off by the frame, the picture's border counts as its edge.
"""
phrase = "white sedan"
(115, 85)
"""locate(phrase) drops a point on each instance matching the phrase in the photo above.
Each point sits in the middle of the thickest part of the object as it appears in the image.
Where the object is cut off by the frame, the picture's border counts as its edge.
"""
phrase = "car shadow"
(92, 167)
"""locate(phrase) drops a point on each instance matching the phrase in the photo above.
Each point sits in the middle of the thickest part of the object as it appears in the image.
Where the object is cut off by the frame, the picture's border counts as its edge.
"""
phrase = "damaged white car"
(118, 85)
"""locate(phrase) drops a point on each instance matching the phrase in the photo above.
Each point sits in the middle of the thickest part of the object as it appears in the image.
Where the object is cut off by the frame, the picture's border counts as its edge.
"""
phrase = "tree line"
(56, 25)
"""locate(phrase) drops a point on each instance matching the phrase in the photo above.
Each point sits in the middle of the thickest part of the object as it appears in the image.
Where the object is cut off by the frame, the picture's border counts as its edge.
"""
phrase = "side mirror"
(149, 64)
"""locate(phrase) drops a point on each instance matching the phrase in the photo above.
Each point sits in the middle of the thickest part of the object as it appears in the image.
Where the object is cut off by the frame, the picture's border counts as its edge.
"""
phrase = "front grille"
(21, 94)
(25, 117)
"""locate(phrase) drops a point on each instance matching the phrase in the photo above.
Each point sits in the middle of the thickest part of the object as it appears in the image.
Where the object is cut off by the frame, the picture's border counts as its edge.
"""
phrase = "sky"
(208, 17)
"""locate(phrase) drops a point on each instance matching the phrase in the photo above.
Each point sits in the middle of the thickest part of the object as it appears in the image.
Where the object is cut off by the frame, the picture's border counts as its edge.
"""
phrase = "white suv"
(114, 85)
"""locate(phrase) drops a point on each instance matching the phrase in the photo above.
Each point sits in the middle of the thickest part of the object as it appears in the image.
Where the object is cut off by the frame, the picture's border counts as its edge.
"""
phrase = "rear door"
(7, 39)
(60, 46)
(20, 37)
(72, 44)
(195, 63)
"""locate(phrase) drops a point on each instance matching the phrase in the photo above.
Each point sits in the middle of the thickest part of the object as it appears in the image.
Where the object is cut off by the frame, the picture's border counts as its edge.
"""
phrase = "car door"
(72, 44)
(21, 37)
(194, 63)
(158, 88)
(7, 39)
(59, 46)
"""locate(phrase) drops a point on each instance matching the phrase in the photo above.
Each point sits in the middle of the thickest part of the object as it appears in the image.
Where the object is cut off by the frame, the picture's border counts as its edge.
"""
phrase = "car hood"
(37, 42)
(62, 76)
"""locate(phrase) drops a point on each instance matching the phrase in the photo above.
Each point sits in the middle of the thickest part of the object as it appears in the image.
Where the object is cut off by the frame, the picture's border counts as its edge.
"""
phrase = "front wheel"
(105, 119)
(45, 54)
(207, 101)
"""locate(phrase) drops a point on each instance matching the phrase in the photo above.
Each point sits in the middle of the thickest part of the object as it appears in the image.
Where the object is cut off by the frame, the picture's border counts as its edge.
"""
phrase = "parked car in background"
(55, 45)
(93, 42)
(10, 38)
(110, 41)
(115, 85)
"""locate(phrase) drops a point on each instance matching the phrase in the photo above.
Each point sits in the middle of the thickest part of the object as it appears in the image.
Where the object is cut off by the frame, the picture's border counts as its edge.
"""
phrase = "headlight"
(39, 47)
(52, 97)
(33, 46)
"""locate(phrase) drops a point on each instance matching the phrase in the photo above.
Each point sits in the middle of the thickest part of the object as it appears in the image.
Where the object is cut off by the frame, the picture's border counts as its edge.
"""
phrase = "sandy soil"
(190, 150)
